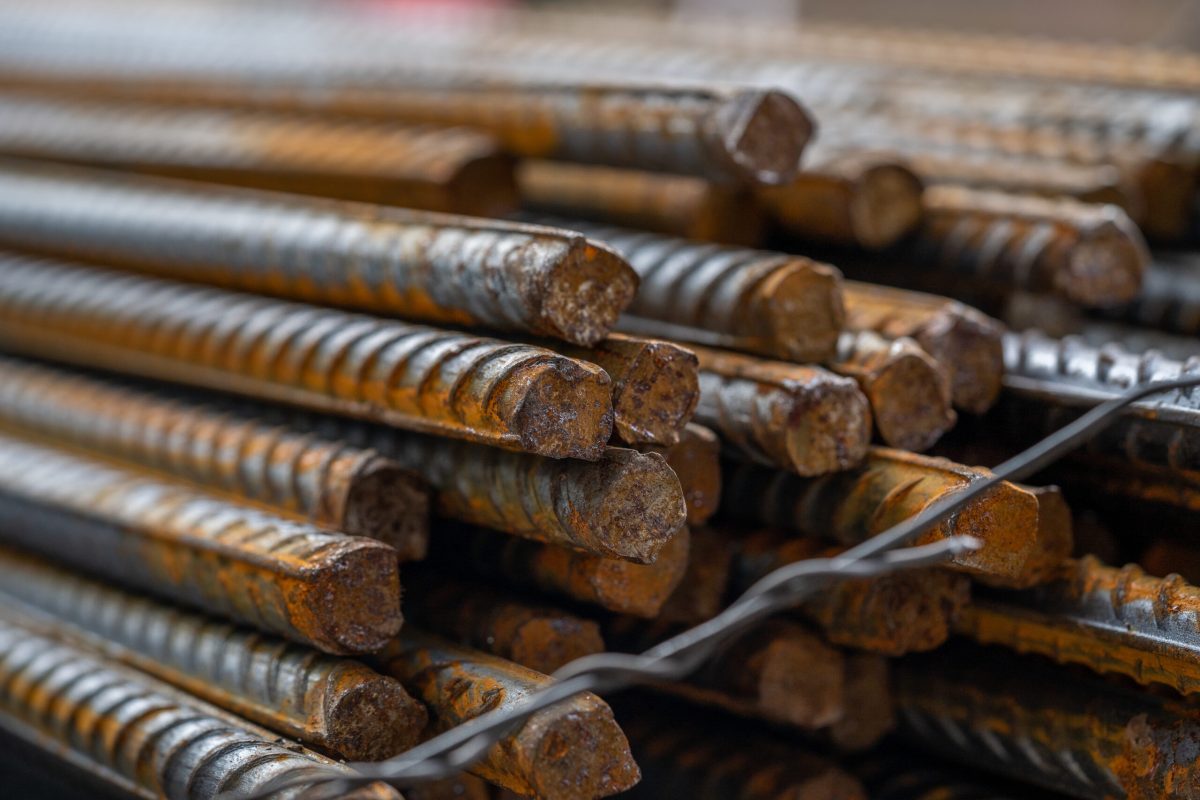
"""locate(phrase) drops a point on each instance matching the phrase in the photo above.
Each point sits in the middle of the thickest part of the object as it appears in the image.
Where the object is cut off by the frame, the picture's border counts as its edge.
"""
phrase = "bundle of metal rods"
(299, 307)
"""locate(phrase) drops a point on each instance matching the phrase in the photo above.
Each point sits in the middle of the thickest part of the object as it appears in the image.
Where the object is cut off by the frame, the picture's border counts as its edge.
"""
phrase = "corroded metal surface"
(776, 305)
(571, 751)
(335, 704)
(438, 169)
(338, 593)
(966, 343)
(452, 384)
(695, 460)
(675, 205)
(891, 485)
(778, 671)
(615, 584)
(1083, 736)
(687, 754)
(1169, 299)
(1107, 619)
(414, 264)
(909, 392)
(531, 634)
(136, 733)
(339, 487)
(624, 505)
(1093, 255)
(655, 385)
(871, 200)
(801, 418)
(895, 614)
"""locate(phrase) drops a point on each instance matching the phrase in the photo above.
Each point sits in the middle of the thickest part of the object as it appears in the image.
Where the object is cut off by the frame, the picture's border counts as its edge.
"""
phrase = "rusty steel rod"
(1092, 255)
(1169, 299)
(771, 304)
(452, 384)
(625, 504)
(655, 385)
(452, 170)
(704, 591)
(870, 200)
(801, 418)
(337, 705)
(1110, 620)
(343, 488)
(1038, 723)
(618, 585)
(778, 671)
(966, 343)
(673, 205)
(909, 392)
(571, 751)
(537, 636)
(696, 461)
(890, 486)
(688, 753)
(338, 593)
(137, 734)
(415, 264)
(894, 614)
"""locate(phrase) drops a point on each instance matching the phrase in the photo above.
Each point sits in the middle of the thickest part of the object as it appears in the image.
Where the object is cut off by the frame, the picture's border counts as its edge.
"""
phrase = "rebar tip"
(803, 312)
(658, 394)
(390, 504)
(1106, 266)
(586, 292)
(830, 428)
(970, 349)
(886, 205)
(370, 717)
(577, 750)
(353, 604)
(910, 398)
(565, 409)
(763, 134)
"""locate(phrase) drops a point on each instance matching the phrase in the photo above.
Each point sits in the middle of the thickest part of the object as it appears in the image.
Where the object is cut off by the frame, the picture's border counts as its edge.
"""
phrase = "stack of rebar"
(300, 307)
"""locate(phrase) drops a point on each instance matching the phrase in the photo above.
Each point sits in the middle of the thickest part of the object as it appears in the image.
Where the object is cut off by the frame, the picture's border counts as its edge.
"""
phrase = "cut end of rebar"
(371, 717)
(696, 461)
(906, 612)
(910, 399)
(546, 643)
(658, 395)
(351, 602)
(830, 428)
(585, 293)
(886, 205)
(1006, 522)
(970, 348)
(576, 751)
(1107, 265)
(801, 682)
(630, 505)
(390, 504)
(566, 409)
(763, 134)
(637, 589)
(801, 311)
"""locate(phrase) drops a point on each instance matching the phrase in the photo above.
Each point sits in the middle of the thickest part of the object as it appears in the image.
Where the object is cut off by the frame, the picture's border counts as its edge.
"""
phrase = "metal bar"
(695, 460)
(508, 395)
(573, 751)
(338, 593)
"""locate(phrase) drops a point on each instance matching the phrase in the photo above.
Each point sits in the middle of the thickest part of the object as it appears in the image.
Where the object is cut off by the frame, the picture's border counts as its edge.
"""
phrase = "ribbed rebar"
(1169, 299)
(801, 418)
(513, 396)
(454, 170)
(333, 485)
(338, 593)
(414, 264)
(890, 486)
(571, 751)
(908, 390)
(1092, 255)
(335, 704)
(134, 732)
(772, 304)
